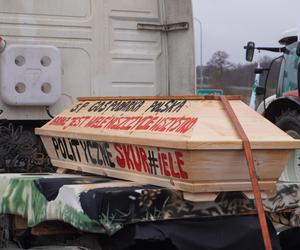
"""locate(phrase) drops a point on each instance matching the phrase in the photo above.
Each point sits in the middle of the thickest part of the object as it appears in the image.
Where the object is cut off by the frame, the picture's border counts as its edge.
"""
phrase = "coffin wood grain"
(210, 150)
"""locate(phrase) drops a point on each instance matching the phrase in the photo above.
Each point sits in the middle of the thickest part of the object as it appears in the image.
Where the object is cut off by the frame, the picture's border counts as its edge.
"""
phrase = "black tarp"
(213, 233)
(156, 218)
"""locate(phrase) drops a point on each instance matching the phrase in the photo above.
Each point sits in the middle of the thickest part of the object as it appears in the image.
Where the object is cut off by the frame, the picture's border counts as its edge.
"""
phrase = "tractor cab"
(287, 87)
(288, 77)
(288, 82)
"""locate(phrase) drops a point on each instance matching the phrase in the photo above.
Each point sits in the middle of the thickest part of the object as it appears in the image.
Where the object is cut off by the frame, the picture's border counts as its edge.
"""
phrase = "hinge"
(164, 28)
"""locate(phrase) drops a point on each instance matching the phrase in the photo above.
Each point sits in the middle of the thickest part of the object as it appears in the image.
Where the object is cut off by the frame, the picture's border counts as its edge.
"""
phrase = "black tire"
(289, 121)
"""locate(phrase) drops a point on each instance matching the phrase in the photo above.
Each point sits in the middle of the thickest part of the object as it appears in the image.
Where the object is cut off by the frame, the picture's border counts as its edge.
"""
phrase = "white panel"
(135, 8)
(139, 74)
(125, 36)
(143, 69)
(134, 55)
(71, 8)
(76, 74)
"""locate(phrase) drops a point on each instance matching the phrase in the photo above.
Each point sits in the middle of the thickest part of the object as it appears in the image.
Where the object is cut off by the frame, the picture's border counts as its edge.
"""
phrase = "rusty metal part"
(162, 27)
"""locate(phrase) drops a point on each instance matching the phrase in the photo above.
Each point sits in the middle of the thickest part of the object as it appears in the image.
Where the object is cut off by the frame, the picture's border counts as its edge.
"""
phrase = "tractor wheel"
(289, 122)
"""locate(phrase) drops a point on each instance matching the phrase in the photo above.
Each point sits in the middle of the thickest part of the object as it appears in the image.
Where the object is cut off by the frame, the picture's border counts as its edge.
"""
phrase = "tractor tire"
(289, 122)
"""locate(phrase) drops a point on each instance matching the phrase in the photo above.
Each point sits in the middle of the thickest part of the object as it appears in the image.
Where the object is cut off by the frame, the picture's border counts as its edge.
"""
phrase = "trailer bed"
(105, 205)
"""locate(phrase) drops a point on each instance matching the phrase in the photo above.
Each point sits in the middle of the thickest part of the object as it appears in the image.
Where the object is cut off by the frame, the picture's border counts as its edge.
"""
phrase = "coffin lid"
(189, 123)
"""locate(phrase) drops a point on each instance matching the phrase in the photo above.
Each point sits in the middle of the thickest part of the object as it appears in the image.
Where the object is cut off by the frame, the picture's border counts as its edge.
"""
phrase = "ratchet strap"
(252, 173)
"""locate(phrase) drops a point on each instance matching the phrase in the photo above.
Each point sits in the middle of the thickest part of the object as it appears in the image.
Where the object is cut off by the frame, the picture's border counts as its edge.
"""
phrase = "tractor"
(282, 108)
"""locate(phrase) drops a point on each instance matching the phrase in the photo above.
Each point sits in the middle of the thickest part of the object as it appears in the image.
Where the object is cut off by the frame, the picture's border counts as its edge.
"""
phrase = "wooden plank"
(20, 223)
(203, 197)
(193, 97)
(194, 187)
(113, 184)
(188, 166)
(61, 170)
(231, 164)
(53, 228)
(191, 125)
(200, 197)
(264, 194)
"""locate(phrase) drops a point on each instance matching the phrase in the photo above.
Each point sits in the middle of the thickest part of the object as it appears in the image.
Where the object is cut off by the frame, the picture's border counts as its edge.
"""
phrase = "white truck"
(60, 49)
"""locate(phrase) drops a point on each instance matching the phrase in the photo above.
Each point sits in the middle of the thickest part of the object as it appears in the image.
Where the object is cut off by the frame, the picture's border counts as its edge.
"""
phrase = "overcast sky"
(228, 24)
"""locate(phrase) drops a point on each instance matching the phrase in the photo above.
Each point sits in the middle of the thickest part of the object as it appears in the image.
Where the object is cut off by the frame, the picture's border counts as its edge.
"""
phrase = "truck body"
(58, 50)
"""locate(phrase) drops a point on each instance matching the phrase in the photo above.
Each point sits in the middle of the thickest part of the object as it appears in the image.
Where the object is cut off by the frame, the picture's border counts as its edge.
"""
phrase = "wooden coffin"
(186, 143)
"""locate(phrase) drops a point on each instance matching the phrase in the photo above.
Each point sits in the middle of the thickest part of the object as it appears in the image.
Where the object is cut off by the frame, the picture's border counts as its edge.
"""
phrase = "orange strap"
(252, 172)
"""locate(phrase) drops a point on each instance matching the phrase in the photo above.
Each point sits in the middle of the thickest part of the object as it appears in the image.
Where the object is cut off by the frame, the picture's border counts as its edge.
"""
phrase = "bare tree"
(219, 60)
(237, 79)
(217, 64)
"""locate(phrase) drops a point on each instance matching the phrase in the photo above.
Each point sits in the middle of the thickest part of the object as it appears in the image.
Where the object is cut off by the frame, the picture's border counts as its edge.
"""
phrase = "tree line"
(235, 79)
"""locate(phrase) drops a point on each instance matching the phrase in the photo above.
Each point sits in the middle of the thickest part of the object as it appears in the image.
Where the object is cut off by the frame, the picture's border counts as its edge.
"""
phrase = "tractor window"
(288, 71)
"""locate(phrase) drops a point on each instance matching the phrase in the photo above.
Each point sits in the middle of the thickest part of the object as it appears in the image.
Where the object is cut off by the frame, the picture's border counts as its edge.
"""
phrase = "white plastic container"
(30, 75)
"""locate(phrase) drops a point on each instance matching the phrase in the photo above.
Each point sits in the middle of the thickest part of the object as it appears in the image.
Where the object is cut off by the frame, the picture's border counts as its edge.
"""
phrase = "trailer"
(116, 213)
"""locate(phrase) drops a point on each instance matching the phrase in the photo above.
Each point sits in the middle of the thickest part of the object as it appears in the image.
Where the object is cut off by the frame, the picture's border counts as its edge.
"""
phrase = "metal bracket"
(164, 28)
